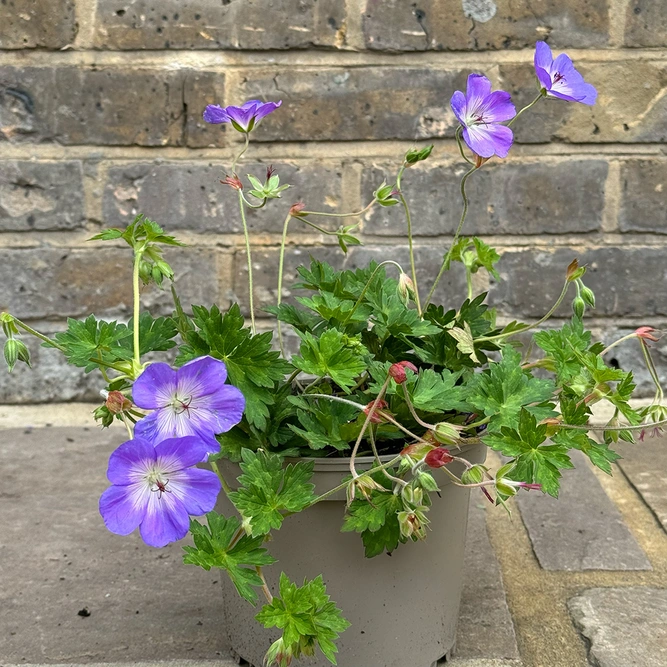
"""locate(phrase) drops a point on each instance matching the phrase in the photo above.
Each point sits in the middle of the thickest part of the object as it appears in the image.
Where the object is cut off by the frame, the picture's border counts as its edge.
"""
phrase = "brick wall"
(100, 118)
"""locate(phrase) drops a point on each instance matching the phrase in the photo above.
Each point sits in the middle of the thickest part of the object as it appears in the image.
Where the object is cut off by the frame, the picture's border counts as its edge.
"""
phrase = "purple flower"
(559, 78)
(193, 400)
(243, 118)
(480, 112)
(156, 488)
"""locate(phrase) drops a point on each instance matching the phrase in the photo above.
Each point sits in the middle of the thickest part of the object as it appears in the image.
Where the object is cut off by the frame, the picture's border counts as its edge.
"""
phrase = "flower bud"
(438, 457)
(375, 417)
(406, 288)
(578, 307)
(295, 209)
(588, 296)
(117, 402)
(11, 352)
(417, 451)
(413, 495)
(156, 275)
(646, 333)
(145, 272)
(102, 414)
(397, 371)
(426, 481)
(233, 181)
(413, 524)
(417, 155)
(574, 271)
(446, 433)
(473, 475)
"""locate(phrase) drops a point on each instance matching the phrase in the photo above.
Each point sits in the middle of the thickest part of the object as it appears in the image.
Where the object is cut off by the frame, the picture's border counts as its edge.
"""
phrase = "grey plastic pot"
(403, 608)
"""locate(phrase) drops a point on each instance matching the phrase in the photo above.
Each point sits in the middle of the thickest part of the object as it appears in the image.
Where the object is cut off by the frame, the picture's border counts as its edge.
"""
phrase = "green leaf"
(562, 344)
(333, 355)
(486, 257)
(268, 489)
(215, 546)
(599, 453)
(438, 392)
(300, 319)
(325, 423)
(155, 335)
(464, 341)
(505, 388)
(377, 521)
(307, 618)
(392, 317)
(534, 461)
(251, 364)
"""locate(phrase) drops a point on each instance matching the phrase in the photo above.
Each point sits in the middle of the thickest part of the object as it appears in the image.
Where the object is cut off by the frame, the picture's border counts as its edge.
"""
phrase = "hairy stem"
(265, 586)
(340, 215)
(408, 219)
(246, 236)
(459, 129)
(37, 334)
(138, 254)
(281, 265)
(528, 106)
(243, 150)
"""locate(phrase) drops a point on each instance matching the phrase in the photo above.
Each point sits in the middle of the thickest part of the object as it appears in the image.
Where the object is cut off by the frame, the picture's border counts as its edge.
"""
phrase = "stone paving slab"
(582, 529)
(485, 625)
(645, 466)
(624, 626)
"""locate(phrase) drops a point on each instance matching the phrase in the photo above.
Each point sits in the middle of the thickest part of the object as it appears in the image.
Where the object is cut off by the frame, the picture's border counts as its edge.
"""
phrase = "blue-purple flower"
(559, 78)
(193, 400)
(480, 113)
(156, 489)
(243, 118)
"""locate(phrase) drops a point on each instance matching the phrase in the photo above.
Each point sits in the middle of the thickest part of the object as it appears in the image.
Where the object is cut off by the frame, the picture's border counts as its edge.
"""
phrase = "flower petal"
(165, 520)
(266, 109)
(148, 428)
(458, 104)
(498, 107)
(225, 409)
(131, 461)
(215, 114)
(479, 87)
(241, 116)
(197, 489)
(543, 77)
(199, 377)
(155, 387)
(176, 454)
(489, 140)
(123, 507)
(543, 56)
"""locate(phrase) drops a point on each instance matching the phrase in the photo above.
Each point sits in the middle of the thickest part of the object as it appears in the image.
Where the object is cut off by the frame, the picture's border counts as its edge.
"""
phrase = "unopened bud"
(574, 271)
(646, 333)
(578, 307)
(379, 405)
(145, 271)
(446, 433)
(296, 209)
(437, 458)
(473, 475)
(406, 288)
(588, 296)
(102, 414)
(426, 481)
(417, 155)
(397, 371)
(15, 350)
(117, 402)
(233, 181)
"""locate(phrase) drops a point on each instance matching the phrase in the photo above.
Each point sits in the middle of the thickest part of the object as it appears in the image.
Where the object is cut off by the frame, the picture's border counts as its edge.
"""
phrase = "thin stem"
(249, 205)
(225, 486)
(396, 480)
(618, 342)
(369, 416)
(339, 215)
(127, 426)
(244, 149)
(532, 104)
(37, 334)
(529, 326)
(410, 244)
(447, 258)
(459, 129)
(469, 283)
(138, 254)
(322, 230)
(413, 412)
(265, 587)
(600, 427)
(246, 236)
(651, 369)
(281, 264)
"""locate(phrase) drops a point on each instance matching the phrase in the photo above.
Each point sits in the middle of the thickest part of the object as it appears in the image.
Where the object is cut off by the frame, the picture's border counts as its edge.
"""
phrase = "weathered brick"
(644, 186)
(265, 270)
(53, 283)
(211, 24)
(631, 106)
(462, 25)
(646, 23)
(41, 195)
(201, 89)
(76, 105)
(29, 24)
(552, 197)
(622, 279)
(355, 103)
(189, 195)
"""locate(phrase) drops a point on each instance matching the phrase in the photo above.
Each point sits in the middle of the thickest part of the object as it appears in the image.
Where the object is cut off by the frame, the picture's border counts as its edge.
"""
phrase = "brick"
(211, 24)
(485, 628)
(41, 195)
(265, 274)
(565, 538)
(189, 196)
(201, 89)
(52, 283)
(532, 280)
(56, 545)
(504, 198)
(360, 103)
(623, 626)
(643, 187)
(29, 24)
(76, 105)
(631, 106)
(465, 25)
(646, 23)
(645, 465)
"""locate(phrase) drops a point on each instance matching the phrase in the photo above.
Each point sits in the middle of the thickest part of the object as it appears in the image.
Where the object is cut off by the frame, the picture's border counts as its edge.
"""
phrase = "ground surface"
(568, 584)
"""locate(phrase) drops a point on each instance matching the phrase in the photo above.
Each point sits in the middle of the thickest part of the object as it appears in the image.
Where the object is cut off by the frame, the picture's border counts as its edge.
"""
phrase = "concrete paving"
(73, 594)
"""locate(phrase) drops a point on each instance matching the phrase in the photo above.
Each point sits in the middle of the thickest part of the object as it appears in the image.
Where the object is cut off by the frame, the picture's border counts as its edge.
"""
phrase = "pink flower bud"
(117, 402)
(233, 181)
(438, 457)
(646, 333)
(397, 371)
(295, 210)
(375, 417)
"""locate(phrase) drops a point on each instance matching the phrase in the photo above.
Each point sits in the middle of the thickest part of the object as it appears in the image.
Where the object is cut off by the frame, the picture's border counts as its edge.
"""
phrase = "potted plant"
(378, 426)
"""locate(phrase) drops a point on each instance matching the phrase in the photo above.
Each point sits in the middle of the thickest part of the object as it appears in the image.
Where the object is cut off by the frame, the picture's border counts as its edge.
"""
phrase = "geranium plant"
(382, 371)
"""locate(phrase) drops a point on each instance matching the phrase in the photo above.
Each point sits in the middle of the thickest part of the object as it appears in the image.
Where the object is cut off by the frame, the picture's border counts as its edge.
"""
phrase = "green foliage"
(325, 423)
(534, 461)
(505, 388)
(474, 254)
(251, 364)
(308, 619)
(141, 231)
(268, 489)
(224, 544)
(435, 392)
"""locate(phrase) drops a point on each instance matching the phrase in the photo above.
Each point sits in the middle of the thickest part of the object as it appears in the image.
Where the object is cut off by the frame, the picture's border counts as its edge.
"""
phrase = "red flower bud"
(117, 402)
(646, 333)
(438, 457)
(375, 417)
(397, 371)
(295, 210)
(269, 172)
(233, 181)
